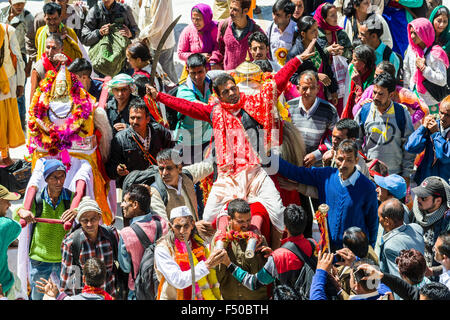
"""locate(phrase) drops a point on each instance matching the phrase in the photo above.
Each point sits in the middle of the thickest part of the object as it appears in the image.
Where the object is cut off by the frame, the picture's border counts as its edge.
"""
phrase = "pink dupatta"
(425, 31)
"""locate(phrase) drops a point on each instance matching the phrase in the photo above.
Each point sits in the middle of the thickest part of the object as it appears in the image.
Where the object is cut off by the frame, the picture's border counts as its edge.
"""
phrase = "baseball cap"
(393, 183)
(431, 186)
(5, 194)
(17, 1)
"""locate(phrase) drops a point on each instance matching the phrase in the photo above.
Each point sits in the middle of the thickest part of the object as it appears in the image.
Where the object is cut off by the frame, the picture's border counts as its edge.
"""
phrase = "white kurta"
(155, 16)
(171, 271)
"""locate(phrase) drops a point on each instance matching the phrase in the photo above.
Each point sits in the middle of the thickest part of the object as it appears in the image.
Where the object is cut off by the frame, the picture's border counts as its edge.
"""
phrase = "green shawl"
(444, 38)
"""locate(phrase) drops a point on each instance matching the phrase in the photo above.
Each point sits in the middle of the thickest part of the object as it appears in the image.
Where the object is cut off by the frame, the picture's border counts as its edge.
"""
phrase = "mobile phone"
(337, 258)
(359, 274)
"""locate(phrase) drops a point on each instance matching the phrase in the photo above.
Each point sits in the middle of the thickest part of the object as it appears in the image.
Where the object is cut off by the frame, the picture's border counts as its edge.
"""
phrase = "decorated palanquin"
(65, 123)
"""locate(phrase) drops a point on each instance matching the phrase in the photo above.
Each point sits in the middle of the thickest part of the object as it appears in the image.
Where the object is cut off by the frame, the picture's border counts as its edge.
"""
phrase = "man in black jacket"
(101, 19)
(136, 147)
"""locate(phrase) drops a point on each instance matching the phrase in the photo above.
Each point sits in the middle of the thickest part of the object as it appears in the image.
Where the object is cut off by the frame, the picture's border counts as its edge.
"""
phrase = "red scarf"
(234, 151)
(49, 66)
(324, 25)
(97, 291)
(152, 107)
(356, 91)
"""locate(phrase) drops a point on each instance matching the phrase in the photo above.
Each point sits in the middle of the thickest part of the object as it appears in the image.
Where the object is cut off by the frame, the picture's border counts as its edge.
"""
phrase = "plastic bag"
(108, 55)
(340, 67)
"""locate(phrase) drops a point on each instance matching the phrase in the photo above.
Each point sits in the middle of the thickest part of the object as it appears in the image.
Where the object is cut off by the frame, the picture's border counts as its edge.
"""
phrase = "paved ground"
(182, 7)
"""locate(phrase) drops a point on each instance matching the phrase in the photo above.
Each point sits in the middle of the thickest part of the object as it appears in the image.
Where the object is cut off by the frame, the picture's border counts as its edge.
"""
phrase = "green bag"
(108, 55)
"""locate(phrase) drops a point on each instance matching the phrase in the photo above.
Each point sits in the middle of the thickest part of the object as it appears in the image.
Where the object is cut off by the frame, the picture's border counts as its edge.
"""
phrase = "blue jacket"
(354, 205)
(421, 140)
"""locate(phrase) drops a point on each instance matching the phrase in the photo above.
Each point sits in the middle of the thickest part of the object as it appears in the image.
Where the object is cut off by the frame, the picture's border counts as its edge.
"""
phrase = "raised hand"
(347, 255)
(151, 91)
(325, 261)
(47, 287)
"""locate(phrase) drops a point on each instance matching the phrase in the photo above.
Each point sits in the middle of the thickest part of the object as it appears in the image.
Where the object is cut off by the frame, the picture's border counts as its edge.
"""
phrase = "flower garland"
(233, 235)
(47, 135)
(206, 186)
(283, 111)
(206, 288)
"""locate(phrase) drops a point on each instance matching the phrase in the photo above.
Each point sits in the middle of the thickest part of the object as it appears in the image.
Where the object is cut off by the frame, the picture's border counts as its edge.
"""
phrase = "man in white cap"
(172, 258)
(89, 241)
(9, 231)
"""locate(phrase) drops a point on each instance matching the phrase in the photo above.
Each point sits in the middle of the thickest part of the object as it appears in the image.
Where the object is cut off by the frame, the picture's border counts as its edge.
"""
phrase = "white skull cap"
(178, 212)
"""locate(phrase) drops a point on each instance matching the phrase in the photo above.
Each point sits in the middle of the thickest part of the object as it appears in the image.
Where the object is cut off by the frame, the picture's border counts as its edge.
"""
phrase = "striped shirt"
(102, 249)
(314, 123)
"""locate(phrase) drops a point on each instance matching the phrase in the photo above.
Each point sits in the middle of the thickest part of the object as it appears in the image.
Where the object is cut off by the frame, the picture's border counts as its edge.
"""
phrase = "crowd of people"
(307, 159)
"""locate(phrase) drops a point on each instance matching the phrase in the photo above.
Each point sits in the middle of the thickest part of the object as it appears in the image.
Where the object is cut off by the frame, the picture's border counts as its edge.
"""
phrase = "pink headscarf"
(425, 31)
(323, 24)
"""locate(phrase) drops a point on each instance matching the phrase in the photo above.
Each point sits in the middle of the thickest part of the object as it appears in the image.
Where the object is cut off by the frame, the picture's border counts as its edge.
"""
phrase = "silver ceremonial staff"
(159, 49)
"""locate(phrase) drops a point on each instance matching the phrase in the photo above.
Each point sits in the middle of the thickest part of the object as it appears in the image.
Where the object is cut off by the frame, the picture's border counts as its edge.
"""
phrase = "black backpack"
(16, 176)
(146, 282)
(436, 91)
(387, 55)
(303, 283)
(149, 177)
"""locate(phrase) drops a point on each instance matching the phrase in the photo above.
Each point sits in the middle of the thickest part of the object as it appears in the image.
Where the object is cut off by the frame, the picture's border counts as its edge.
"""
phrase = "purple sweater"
(231, 52)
